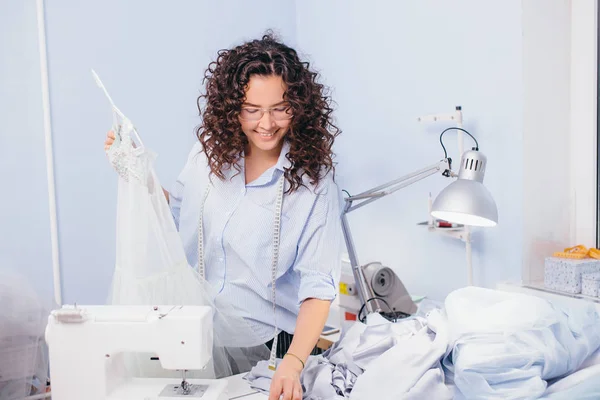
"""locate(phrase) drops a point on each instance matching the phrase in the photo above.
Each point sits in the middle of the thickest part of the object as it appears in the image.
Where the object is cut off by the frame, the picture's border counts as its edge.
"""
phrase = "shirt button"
(221, 259)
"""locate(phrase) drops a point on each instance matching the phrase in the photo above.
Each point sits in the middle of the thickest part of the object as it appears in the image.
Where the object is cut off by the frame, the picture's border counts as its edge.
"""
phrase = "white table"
(238, 388)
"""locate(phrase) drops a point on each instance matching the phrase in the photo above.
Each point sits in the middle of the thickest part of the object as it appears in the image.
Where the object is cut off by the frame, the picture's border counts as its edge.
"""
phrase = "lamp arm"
(365, 291)
(390, 187)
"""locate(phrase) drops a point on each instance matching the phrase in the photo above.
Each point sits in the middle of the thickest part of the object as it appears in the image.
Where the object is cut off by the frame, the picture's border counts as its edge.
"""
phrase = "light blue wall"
(24, 221)
(390, 62)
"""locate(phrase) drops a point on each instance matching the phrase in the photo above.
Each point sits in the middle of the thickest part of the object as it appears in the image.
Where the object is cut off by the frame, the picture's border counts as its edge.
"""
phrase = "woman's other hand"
(110, 138)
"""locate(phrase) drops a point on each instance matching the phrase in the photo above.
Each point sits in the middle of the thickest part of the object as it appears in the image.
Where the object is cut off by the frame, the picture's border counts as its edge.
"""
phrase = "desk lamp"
(465, 201)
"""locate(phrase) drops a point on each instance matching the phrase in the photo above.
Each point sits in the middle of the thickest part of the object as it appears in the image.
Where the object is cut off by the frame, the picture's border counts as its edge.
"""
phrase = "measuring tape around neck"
(276, 237)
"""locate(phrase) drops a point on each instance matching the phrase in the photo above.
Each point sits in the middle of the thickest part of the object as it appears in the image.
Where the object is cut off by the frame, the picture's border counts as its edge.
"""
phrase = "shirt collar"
(282, 163)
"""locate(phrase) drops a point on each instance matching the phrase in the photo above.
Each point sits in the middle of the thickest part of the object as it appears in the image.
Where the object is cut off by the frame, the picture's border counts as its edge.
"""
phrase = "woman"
(264, 148)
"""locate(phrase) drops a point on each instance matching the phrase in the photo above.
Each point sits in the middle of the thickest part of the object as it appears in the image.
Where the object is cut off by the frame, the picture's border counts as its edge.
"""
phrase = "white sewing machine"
(89, 348)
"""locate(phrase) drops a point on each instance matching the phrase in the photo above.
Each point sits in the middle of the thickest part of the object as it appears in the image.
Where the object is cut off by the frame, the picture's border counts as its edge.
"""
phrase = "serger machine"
(91, 349)
(388, 290)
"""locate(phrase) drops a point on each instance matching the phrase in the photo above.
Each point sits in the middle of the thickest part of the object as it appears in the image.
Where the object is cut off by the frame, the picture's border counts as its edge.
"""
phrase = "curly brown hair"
(311, 133)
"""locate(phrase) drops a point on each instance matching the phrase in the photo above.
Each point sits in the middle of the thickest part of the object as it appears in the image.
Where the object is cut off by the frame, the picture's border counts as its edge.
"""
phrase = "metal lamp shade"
(466, 201)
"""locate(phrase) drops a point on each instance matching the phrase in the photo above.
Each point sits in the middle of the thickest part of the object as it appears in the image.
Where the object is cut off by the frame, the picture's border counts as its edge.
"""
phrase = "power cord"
(458, 129)
(362, 308)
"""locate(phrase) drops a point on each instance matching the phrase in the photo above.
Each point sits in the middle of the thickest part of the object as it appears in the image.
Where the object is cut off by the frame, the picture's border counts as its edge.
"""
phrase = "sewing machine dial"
(383, 282)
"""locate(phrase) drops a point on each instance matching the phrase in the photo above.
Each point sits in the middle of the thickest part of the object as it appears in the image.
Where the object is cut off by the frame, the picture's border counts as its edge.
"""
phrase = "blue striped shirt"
(238, 237)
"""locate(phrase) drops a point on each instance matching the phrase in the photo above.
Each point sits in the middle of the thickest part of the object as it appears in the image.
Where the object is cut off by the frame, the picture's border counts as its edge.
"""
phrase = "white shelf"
(538, 289)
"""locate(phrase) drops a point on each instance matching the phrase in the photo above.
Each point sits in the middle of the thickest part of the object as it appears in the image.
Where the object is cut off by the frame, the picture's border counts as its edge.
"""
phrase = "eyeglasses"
(279, 113)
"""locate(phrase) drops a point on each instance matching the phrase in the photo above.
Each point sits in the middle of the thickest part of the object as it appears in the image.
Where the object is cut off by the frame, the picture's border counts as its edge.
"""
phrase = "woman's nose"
(266, 122)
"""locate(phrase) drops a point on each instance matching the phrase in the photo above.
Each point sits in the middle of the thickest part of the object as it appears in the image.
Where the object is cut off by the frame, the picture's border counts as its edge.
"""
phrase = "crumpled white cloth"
(411, 368)
(508, 345)
(582, 384)
(404, 358)
(494, 345)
